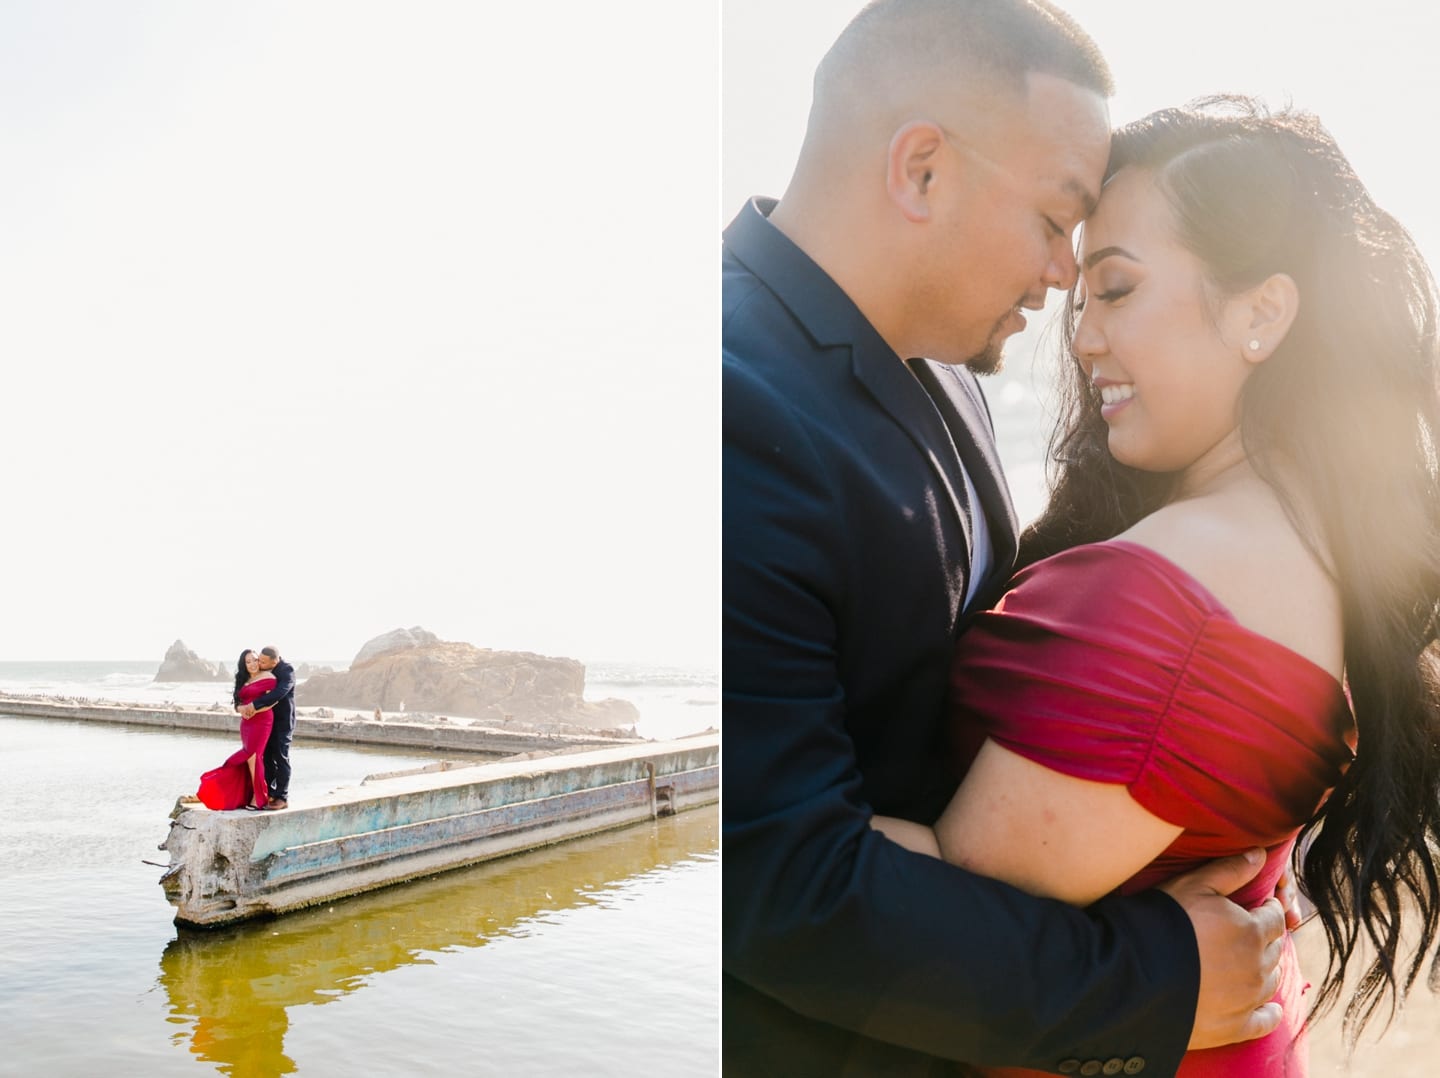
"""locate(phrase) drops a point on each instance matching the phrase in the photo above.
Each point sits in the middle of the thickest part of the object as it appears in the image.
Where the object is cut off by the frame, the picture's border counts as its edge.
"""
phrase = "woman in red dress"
(240, 781)
(1225, 633)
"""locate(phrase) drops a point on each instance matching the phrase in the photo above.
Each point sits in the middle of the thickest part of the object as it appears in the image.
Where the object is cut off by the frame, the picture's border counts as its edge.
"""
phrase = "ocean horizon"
(672, 700)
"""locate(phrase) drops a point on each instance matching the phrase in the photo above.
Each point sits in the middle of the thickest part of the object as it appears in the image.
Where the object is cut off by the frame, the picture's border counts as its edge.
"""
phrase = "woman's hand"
(1288, 895)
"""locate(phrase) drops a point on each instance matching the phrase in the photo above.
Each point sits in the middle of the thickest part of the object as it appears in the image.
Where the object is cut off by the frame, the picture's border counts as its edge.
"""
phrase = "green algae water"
(598, 956)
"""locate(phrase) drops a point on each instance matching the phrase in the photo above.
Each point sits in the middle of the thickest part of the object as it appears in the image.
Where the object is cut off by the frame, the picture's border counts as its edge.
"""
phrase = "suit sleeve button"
(1068, 1066)
(1113, 1066)
(1089, 1067)
(1134, 1065)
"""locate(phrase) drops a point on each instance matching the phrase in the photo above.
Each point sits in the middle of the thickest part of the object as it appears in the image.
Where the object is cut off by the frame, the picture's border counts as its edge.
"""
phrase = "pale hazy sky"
(1368, 70)
(322, 318)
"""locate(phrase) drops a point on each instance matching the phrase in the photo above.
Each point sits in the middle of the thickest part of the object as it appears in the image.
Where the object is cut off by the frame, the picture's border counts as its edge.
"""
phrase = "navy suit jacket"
(846, 546)
(282, 697)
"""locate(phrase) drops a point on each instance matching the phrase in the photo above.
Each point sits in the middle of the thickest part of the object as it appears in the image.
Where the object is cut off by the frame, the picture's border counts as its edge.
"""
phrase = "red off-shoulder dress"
(228, 786)
(1110, 663)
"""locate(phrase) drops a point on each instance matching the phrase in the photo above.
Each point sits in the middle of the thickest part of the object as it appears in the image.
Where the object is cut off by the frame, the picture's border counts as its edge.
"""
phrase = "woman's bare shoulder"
(1217, 533)
(1242, 548)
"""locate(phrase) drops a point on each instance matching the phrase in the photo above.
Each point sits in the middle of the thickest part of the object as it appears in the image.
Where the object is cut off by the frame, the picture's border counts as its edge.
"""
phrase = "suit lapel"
(960, 401)
(896, 390)
(833, 321)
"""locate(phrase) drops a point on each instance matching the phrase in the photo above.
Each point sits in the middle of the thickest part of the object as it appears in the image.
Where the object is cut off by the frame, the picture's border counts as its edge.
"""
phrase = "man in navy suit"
(277, 749)
(953, 148)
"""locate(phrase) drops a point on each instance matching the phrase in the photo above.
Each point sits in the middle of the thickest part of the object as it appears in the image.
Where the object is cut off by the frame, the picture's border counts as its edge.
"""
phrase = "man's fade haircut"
(1004, 40)
(270, 652)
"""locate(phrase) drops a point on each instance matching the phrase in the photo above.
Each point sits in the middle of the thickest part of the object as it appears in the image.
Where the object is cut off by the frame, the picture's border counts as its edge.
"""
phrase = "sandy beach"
(1410, 1048)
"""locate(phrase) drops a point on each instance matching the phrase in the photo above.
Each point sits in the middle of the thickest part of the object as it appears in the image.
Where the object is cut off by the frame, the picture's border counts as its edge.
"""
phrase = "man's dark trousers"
(282, 729)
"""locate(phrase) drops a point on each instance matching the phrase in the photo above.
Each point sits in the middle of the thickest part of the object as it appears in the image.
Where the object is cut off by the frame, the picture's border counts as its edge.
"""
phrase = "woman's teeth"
(1116, 394)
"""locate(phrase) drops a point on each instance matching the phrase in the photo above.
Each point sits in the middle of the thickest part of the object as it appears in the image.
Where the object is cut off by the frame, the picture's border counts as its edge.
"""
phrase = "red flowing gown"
(228, 786)
(1110, 663)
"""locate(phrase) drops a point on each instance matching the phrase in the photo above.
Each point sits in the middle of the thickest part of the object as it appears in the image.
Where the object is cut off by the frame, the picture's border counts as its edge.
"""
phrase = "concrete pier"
(421, 732)
(232, 866)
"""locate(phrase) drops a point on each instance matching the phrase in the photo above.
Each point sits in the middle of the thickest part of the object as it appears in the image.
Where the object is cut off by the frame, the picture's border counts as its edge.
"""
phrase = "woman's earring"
(1254, 344)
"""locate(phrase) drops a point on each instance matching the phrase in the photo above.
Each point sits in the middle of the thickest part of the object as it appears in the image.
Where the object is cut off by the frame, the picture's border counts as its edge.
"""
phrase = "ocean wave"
(121, 680)
(660, 679)
(622, 671)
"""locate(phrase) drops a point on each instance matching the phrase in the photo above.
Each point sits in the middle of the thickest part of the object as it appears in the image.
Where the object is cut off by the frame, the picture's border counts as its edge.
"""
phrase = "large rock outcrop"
(464, 681)
(182, 664)
(394, 640)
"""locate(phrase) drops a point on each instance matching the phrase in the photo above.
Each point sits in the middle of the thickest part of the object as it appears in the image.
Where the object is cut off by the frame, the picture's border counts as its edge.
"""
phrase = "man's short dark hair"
(270, 653)
(1008, 39)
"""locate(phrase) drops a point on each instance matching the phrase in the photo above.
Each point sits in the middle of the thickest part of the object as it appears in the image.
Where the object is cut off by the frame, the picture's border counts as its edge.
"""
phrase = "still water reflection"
(592, 957)
(233, 990)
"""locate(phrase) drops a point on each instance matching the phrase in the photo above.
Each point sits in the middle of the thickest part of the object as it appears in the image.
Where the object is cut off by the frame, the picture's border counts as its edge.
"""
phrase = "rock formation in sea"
(394, 640)
(413, 670)
(182, 664)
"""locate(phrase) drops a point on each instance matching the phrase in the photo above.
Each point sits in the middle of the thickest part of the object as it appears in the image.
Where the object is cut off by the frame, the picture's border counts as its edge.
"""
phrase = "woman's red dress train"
(228, 786)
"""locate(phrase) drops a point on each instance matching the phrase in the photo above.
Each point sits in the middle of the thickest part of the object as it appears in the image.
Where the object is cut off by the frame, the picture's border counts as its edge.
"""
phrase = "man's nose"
(1062, 271)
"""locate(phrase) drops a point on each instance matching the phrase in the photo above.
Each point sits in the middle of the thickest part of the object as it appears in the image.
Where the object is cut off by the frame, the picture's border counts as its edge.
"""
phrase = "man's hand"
(1239, 952)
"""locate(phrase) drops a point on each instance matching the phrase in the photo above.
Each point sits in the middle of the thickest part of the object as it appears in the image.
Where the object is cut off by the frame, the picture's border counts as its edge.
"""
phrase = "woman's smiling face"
(1163, 354)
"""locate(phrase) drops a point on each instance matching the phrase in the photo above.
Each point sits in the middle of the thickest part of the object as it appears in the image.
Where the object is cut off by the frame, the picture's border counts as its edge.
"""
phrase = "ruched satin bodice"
(1110, 663)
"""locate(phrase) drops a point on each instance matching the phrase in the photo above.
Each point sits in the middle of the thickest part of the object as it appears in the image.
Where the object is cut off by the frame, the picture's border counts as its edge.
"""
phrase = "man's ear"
(910, 167)
(1267, 312)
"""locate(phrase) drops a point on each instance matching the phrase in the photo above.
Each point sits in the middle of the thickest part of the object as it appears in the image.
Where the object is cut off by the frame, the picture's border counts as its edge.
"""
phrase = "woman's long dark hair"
(242, 675)
(1343, 422)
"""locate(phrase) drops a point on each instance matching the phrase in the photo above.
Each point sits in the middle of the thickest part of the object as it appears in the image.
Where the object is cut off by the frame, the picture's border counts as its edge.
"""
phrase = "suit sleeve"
(284, 686)
(827, 916)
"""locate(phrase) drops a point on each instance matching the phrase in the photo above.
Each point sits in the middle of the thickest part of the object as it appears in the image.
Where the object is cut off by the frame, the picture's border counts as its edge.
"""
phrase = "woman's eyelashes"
(1110, 295)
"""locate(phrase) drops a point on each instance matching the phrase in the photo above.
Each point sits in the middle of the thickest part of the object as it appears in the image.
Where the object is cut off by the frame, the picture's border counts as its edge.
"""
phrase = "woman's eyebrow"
(1106, 252)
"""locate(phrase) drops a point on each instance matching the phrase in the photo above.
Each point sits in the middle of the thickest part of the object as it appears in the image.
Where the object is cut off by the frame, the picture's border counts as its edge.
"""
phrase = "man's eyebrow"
(1080, 191)
(1106, 252)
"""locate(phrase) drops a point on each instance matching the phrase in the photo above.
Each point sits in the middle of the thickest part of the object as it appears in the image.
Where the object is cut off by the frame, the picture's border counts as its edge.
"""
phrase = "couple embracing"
(257, 775)
(1031, 802)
